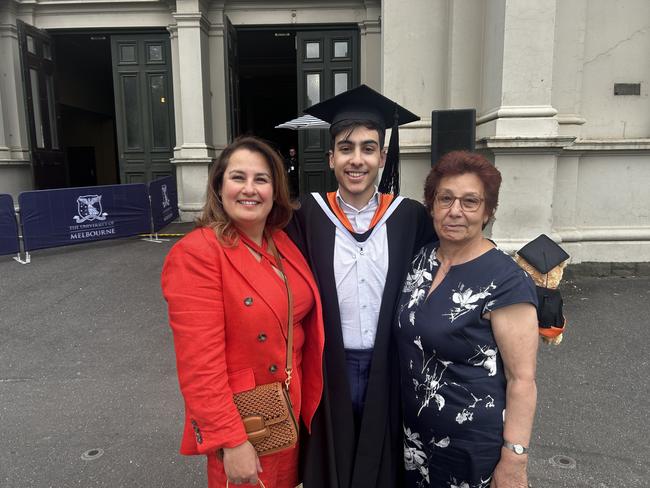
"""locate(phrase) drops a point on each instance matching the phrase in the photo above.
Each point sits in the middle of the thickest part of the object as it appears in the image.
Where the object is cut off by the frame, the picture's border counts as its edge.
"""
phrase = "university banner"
(9, 243)
(164, 201)
(67, 216)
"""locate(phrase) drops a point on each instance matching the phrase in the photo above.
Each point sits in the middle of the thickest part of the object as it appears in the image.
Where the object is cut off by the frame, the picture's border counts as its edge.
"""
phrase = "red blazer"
(228, 335)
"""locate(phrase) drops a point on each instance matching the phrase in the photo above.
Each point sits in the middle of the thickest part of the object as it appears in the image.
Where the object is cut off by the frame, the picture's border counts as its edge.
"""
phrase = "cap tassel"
(390, 177)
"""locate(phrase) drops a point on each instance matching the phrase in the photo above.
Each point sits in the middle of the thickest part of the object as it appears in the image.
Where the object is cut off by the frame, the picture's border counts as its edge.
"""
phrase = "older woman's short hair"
(214, 215)
(457, 163)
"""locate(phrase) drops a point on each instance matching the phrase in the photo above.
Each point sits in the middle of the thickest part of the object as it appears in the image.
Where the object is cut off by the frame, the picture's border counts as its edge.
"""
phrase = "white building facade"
(560, 90)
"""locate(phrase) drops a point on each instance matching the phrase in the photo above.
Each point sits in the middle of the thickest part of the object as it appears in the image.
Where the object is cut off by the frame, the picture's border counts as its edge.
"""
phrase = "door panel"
(37, 57)
(328, 64)
(143, 105)
(232, 87)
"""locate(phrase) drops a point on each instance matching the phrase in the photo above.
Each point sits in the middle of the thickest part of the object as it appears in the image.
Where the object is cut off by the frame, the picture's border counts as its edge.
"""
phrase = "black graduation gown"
(329, 456)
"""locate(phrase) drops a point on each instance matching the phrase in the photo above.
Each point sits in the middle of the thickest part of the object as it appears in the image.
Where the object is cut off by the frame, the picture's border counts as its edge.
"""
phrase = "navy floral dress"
(453, 383)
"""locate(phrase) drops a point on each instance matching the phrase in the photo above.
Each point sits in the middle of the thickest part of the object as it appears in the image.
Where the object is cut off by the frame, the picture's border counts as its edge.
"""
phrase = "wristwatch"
(516, 448)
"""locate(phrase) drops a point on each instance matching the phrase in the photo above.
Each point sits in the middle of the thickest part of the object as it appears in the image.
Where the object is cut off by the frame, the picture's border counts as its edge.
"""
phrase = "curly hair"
(457, 163)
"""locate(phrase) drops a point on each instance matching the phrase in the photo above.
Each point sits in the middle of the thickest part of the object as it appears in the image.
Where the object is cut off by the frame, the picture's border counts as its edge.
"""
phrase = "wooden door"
(232, 81)
(37, 57)
(142, 83)
(328, 64)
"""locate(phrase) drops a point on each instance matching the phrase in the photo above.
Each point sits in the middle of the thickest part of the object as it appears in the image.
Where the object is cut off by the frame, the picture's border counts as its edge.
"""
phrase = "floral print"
(465, 300)
(453, 384)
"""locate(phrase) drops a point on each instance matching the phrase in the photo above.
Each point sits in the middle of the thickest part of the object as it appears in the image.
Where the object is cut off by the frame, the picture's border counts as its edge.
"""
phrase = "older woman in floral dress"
(467, 337)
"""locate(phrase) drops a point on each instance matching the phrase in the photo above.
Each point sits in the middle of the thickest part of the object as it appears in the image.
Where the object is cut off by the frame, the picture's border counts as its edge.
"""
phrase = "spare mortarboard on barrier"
(365, 104)
(544, 260)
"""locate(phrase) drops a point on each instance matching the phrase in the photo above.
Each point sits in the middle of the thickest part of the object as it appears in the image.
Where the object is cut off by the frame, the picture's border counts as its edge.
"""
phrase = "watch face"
(519, 449)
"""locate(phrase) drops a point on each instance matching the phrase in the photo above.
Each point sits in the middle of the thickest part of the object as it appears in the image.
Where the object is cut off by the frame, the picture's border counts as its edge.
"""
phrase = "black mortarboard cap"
(543, 253)
(364, 103)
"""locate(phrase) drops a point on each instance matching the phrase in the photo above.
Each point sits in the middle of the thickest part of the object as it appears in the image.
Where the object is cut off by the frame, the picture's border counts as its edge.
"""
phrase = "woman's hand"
(241, 464)
(510, 471)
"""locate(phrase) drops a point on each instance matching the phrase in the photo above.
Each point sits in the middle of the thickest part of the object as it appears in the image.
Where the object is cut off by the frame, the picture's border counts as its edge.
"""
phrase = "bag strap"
(289, 365)
(259, 481)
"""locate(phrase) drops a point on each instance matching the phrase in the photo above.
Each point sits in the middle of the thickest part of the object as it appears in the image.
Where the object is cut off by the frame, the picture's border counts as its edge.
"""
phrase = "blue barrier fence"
(52, 218)
(9, 242)
(164, 201)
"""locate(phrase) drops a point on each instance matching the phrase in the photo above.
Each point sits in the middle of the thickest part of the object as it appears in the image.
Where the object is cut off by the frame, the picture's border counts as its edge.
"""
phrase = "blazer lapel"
(272, 291)
(292, 254)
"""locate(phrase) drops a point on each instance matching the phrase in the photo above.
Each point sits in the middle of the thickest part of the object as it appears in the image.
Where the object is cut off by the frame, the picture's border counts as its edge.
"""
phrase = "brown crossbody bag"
(266, 410)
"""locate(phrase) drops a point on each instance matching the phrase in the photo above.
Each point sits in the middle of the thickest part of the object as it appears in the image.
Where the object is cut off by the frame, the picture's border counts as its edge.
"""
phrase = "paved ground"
(86, 363)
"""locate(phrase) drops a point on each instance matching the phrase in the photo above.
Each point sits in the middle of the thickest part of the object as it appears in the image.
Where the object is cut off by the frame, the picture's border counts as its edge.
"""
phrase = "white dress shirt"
(360, 270)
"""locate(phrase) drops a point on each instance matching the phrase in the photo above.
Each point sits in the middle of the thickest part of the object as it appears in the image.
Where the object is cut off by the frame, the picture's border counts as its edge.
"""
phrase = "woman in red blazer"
(228, 313)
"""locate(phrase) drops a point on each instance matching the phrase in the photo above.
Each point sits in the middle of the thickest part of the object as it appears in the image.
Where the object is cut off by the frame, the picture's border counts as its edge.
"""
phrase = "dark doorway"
(87, 108)
(281, 71)
(82, 164)
(268, 86)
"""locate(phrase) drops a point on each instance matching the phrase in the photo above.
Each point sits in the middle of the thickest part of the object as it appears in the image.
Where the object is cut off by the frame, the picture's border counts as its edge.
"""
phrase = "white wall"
(616, 50)
(574, 157)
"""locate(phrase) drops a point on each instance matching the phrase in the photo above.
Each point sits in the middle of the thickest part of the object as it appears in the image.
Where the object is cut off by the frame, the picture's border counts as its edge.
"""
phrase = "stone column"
(516, 120)
(518, 69)
(569, 64)
(415, 42)
(370, 30)
(194, 150)
(15, 167)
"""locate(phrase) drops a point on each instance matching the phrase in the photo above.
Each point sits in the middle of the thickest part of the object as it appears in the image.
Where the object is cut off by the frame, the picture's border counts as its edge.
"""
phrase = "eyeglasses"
(469, 203)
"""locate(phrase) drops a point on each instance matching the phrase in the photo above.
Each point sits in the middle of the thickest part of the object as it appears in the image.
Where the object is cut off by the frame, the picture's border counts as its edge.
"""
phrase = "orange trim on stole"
(385, 199)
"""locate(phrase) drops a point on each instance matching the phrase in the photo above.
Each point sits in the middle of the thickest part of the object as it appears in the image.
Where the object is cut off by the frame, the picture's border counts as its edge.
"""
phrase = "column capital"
(8, 30)
(185, 20)
(370, 27)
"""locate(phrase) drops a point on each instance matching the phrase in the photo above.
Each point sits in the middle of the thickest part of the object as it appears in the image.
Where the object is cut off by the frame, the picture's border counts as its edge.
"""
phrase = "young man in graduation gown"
(359, 242)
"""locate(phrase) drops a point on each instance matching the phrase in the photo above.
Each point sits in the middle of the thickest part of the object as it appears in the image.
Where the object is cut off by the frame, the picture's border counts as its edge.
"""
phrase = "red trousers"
(280, 470)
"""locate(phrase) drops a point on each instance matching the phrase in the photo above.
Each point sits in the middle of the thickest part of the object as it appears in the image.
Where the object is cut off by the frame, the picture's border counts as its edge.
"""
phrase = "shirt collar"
(373, 202)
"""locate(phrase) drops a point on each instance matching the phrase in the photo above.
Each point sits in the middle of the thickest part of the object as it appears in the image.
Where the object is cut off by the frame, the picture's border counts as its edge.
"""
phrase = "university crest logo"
(89, 208)
(165, 199)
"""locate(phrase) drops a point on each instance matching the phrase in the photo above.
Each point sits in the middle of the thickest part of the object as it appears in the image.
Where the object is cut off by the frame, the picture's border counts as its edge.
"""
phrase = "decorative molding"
(190, 161)
(9, 30)
(564, 143)
(415, 148)
(582, 234)
(191, 20)
(423, 123)
(288, 5)
(525, 143)
(514, 111)
(54, 7)
(570, 119)
(190, 207)
(15, 162)
(102, 3)
(369, 27)
(610, 145)
(217, 30)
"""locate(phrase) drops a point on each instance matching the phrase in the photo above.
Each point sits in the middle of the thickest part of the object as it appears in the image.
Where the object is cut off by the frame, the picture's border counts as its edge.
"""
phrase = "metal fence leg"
(27, 260)
(154, 238)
